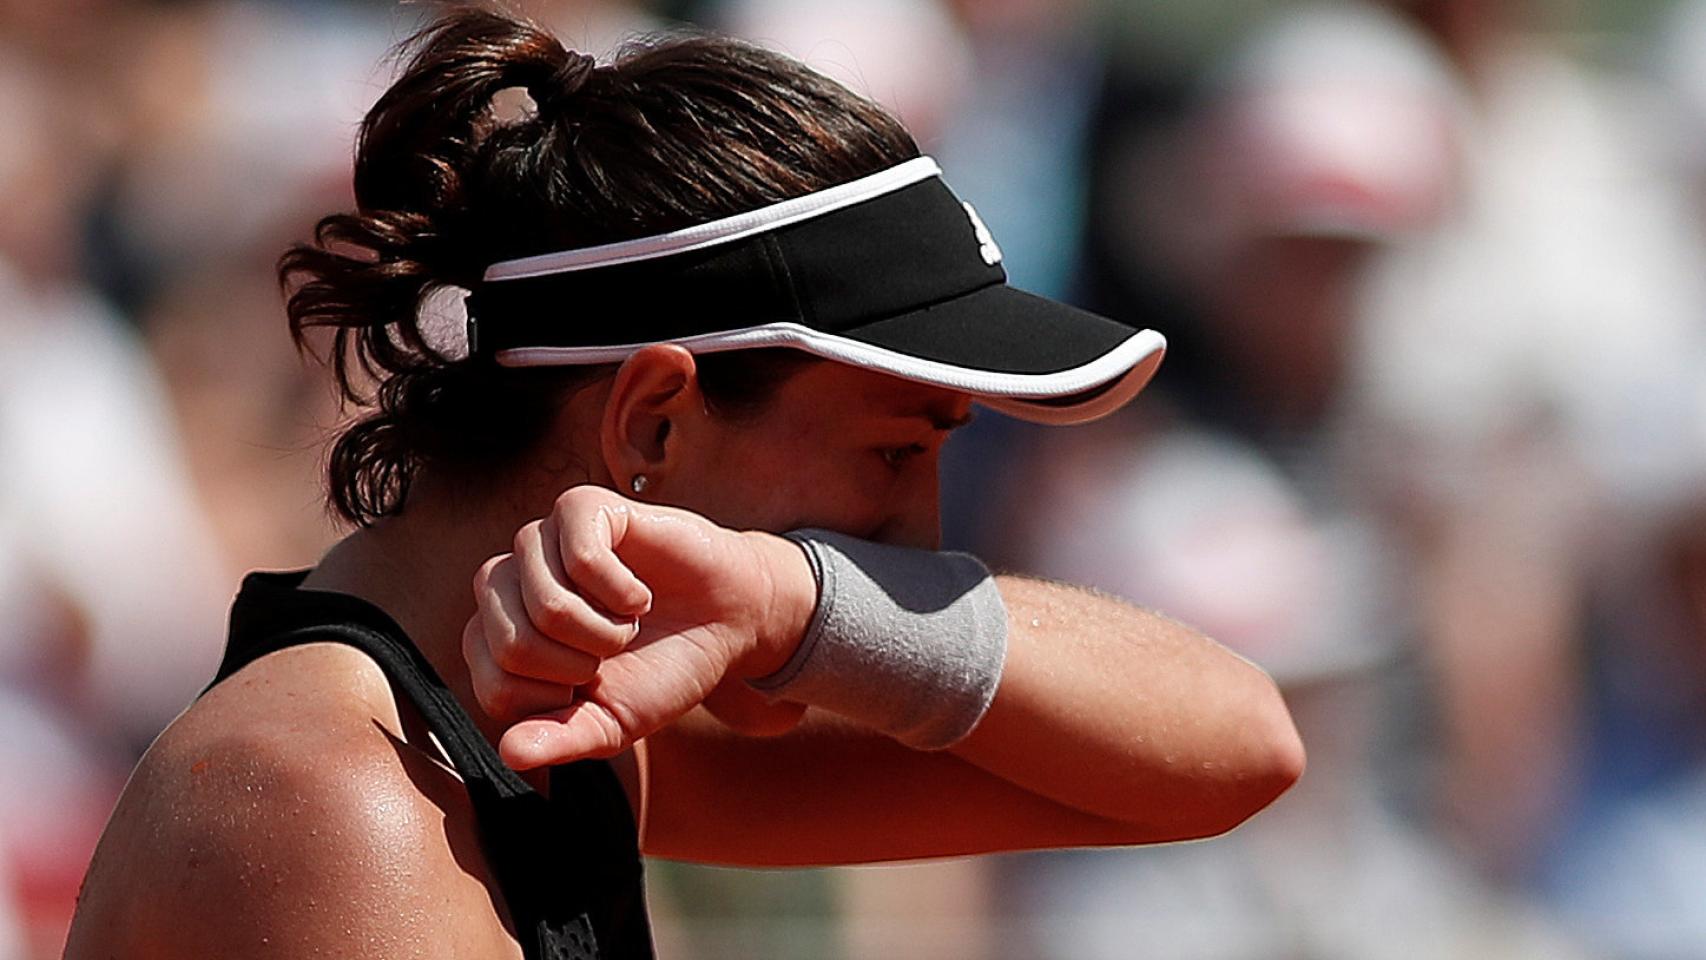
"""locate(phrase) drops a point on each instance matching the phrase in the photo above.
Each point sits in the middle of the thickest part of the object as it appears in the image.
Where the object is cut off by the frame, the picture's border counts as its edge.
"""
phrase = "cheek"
(772, 481)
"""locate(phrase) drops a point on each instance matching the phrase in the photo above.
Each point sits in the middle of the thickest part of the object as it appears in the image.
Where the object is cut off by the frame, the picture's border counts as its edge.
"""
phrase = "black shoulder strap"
(272, 614)
(569, 867)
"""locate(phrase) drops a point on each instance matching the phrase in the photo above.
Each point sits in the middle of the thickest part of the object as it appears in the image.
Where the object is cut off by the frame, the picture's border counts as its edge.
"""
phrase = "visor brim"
(1024, 355)
(1027, 356)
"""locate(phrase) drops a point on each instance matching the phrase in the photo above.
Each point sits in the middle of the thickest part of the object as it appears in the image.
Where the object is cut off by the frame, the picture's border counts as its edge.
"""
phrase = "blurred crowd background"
(1429, 445)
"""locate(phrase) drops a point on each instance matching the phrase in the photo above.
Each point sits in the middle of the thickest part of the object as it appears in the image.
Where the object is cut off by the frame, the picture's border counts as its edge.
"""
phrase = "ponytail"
(367, 273)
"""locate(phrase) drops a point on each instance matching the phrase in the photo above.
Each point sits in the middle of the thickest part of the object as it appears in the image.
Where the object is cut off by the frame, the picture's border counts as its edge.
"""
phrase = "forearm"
(1074, 698)
(1125, 714)
(1101, 706)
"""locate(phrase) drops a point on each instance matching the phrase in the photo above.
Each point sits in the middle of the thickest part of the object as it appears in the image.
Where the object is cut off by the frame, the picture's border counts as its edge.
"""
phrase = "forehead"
(840, 390)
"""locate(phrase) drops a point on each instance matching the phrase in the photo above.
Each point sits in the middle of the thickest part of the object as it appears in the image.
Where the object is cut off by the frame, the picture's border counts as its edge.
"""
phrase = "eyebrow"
(938, 415)
(947, 424)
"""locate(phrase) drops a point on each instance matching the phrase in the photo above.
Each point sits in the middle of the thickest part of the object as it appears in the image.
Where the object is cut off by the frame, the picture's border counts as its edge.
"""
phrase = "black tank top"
(568, 866)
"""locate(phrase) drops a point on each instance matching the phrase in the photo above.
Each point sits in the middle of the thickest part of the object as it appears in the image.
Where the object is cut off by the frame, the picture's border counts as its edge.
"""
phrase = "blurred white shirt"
(97, 511)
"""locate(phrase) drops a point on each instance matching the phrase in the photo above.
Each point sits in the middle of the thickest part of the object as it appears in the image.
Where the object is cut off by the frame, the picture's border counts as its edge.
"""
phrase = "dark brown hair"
(674, 132)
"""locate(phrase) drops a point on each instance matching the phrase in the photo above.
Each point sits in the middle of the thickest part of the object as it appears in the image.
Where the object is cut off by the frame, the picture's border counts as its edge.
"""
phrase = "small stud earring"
(638, 484)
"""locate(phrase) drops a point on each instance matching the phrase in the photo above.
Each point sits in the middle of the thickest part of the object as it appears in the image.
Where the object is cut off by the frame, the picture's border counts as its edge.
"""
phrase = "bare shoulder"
(285, 812)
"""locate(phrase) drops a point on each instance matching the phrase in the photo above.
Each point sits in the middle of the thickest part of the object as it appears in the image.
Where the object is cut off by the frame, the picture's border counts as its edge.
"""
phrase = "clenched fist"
(612, 618)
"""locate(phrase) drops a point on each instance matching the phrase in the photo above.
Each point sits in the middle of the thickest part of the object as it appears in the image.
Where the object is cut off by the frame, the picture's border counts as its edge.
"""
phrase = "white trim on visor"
(1131, 363)
(727, 230)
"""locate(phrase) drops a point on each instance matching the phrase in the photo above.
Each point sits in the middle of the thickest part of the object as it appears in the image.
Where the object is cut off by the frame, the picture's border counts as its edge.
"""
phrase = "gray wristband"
(908, 642)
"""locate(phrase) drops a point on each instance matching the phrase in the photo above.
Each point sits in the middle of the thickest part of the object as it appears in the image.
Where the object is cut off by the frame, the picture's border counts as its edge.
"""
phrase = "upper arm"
(308, 840)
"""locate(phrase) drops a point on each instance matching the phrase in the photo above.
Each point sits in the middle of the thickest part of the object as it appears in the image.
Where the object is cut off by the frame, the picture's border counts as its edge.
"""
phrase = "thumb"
(585, 730)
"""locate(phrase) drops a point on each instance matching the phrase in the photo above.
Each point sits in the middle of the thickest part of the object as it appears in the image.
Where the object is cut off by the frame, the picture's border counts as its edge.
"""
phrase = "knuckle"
(580, 556)
(497, 699)
(588, 671)
(473, 641)
(526, 537)
(616, 637)
(610, 732)
(508, 652)
(575, 670)
(483, 576)
(576, 499)
(555, 616)
(595, 643)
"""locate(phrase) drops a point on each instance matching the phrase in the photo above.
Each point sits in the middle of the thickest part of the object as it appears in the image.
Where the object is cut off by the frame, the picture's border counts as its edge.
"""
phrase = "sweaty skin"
(297, 810)
(1135, 725)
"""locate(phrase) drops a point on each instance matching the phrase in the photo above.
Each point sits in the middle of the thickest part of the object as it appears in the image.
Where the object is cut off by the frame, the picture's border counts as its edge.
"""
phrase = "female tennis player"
(721, 318)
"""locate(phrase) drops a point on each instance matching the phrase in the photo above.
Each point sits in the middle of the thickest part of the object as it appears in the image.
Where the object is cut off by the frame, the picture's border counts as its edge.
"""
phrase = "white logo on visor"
(985, 240)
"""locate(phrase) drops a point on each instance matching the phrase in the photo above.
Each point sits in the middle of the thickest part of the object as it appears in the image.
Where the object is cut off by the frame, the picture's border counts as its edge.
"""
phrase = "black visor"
(892, 273)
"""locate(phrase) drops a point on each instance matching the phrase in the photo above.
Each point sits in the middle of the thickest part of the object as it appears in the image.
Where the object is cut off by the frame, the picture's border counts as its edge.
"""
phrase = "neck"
(419, 567)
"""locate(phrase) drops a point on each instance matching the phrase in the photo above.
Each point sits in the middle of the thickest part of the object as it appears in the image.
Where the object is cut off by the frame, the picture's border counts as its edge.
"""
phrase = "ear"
(654, 392)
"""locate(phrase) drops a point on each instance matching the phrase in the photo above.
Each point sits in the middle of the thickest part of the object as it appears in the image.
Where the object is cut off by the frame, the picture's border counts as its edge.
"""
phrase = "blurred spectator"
(252, 419)
(597, 27)
(1241, 507)
(111, 593)
(911, 56)
(1016, 144)
(203, 122)
(1203, 525)
(240, 119)
(102, 517)
(1533, 363)
(1244, 221)
(1627, 874)
(1017, 137)
(241, 122)
(1630, 875)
